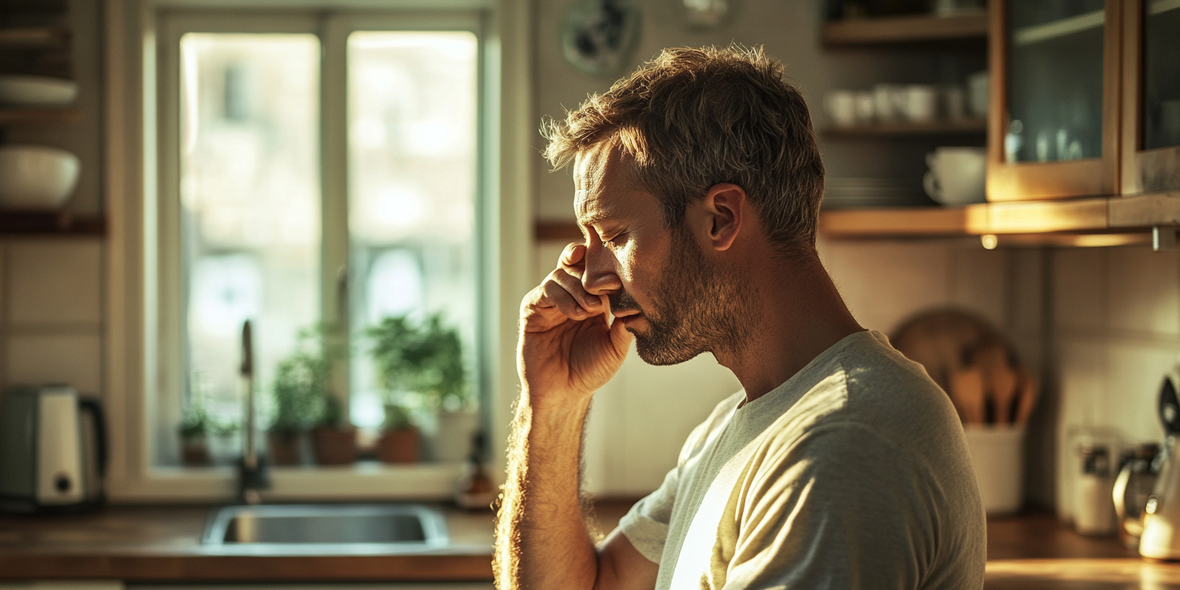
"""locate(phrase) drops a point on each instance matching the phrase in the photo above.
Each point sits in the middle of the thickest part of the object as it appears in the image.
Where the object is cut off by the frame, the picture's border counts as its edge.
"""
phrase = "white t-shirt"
(852, 474)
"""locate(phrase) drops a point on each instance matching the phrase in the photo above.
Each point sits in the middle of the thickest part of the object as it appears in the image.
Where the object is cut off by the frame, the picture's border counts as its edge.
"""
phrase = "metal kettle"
(52, 450)
(1161, 519)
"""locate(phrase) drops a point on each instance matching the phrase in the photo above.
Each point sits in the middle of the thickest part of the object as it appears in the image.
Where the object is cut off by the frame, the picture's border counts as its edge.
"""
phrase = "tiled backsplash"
(51, 320)
(1116, 318)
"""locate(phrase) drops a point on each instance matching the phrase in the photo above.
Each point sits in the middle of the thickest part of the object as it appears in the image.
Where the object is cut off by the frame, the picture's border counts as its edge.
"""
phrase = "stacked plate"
(846, 192)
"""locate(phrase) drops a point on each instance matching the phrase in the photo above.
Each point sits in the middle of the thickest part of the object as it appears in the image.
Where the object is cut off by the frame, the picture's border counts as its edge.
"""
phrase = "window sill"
(366, 480)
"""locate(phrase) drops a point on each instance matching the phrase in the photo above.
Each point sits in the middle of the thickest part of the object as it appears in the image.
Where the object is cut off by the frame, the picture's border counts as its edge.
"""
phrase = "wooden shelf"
(11, 116)
(50, 223)
(33, 37)
(1092, 221)
(934, 128)
(905, 29)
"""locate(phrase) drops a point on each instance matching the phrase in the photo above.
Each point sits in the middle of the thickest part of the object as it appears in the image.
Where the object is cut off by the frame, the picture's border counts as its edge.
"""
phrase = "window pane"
(250, 207)
(412, 148)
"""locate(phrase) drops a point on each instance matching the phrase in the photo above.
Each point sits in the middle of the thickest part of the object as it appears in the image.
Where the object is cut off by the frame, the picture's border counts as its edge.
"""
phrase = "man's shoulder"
(869, 384)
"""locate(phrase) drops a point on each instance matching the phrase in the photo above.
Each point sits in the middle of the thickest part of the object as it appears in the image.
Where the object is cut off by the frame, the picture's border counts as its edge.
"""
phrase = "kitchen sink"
(319, 529)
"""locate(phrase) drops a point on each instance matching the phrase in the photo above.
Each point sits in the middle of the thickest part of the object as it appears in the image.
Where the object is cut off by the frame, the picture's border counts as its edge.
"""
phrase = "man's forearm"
(541, 537)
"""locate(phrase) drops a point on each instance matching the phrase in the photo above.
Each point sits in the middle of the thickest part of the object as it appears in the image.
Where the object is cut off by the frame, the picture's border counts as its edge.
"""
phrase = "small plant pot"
(194, 452)
(284, 448)
(332, 446)
(398, 446)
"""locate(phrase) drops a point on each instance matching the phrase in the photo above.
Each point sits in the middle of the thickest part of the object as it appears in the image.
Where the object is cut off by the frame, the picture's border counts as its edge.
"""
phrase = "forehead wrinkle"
(590, 180)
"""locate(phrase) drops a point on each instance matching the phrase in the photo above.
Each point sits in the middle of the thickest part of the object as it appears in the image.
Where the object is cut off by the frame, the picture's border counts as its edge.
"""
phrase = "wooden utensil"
(1027, 398)
(968, 396)
(999, 380)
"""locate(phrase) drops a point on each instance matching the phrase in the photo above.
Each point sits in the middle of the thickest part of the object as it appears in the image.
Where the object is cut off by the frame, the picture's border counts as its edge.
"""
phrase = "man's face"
(658, 280)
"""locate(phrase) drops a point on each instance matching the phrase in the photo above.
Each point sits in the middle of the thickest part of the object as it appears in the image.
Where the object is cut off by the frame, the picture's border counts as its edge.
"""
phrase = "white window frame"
(139, 166)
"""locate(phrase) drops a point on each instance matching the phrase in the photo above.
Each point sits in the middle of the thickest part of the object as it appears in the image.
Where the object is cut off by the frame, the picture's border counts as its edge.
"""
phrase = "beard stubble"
(697, 308)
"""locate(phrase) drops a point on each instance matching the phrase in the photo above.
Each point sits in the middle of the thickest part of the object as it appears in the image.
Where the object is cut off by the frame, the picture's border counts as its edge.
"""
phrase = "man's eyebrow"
(595, 217)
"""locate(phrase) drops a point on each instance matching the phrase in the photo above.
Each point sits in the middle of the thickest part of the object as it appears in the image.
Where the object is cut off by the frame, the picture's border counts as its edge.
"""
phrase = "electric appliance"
(1161, 517)
(52, 450)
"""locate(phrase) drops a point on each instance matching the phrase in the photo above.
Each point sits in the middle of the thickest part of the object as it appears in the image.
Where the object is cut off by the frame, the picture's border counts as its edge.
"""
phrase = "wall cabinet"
(1083, 97)
(1151, 96)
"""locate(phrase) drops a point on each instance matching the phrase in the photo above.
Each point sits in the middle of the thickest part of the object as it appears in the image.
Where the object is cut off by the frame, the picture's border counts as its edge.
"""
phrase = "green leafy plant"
(332, 412)
(301, 385)
(195, 423)
(418, 362)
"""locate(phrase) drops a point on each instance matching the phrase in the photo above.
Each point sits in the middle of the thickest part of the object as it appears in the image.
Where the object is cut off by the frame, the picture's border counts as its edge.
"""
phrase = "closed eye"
(617, 239)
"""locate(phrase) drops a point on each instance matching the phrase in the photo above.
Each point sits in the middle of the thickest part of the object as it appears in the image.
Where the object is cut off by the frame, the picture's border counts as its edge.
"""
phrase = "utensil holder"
(997, 454)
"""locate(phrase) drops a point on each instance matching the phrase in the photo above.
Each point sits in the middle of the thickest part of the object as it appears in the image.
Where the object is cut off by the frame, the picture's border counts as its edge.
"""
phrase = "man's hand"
(569, 347)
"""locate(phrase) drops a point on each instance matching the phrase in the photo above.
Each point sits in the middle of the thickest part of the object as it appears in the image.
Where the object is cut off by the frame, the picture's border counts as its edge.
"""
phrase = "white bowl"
(36, 177)
(37, 91)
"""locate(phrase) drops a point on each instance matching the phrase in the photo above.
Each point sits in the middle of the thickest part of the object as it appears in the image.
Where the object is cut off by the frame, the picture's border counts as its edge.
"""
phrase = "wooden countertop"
(161, 544)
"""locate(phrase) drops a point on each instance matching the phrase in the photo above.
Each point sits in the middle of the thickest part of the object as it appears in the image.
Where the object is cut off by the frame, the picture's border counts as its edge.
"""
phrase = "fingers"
(565, 292)
(562, 290)
(572, 256)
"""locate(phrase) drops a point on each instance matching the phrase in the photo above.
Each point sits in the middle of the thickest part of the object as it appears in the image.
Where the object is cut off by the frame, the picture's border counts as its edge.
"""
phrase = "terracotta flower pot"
(284, 448)
(194, 453)
(332, 446)
(398, 446)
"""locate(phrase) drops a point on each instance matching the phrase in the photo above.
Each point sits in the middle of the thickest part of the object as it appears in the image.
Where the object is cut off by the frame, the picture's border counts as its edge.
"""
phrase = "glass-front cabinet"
(1151, 96)
(1053, 130)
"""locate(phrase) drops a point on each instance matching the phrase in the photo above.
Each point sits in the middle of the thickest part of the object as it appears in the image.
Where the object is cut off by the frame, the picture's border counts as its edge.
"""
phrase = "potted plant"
(400, 437)
(420, 366)
(195, 428)
(333, 439)
(301, 381)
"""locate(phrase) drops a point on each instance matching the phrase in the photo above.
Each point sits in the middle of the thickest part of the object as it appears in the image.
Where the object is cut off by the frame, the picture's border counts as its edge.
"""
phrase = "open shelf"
(905, 29)
(33, 37)
(1091, 221)
(976, 126)
(24, 116)
(50, 223)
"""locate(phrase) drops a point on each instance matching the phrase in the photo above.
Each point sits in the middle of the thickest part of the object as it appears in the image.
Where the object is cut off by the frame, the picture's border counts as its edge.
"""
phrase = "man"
(839, 465)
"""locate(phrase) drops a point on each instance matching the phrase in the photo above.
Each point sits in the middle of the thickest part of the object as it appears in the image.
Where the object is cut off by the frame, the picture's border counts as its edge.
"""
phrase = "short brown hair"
(693, 118)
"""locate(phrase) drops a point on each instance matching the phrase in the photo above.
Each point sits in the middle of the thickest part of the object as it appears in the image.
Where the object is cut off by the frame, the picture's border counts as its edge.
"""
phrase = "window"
(316, 173)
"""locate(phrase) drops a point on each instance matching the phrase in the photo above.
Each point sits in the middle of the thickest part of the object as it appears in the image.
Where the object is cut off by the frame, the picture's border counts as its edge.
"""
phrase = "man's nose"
(600, 277)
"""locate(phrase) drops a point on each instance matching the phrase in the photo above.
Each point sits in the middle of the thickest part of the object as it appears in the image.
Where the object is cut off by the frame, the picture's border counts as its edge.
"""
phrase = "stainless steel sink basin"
(326, 529)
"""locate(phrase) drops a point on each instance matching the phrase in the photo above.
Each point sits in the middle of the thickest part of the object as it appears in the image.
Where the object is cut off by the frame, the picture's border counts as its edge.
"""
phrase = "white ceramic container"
(998, 458)
(34, 177)
(37, 91)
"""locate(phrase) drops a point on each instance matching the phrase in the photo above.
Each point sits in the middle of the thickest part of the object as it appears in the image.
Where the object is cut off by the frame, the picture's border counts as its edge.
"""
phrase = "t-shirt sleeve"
(646, 524)
(839, 508)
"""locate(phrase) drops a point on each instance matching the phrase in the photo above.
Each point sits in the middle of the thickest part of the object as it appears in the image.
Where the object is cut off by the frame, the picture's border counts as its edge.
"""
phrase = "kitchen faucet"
(252, 472)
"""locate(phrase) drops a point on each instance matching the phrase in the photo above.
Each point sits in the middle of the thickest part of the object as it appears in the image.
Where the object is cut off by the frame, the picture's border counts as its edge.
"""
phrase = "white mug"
(957, 175)
(865, 109)
(977, 91)
(887, 102)
(841, 107)
(920, 103)
(955, 102)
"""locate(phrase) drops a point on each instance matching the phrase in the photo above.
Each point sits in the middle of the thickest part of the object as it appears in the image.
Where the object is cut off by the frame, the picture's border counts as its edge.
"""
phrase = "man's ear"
(726, 206)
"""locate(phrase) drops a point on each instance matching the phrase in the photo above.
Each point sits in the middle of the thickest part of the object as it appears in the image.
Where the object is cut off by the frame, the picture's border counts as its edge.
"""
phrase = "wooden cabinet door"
(1151, 96)
(1055, 99)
